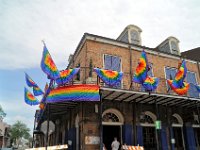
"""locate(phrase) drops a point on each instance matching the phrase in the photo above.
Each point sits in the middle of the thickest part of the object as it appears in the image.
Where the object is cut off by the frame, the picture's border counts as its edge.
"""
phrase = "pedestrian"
(115, 144)
(104, 147)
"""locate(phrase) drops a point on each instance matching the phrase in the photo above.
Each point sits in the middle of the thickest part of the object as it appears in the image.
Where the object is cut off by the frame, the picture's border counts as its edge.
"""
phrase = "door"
(149, 139)
(177, 131)
(109, 132)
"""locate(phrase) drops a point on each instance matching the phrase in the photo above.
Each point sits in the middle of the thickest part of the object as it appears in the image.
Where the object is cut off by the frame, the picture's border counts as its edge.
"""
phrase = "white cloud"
(62, 23)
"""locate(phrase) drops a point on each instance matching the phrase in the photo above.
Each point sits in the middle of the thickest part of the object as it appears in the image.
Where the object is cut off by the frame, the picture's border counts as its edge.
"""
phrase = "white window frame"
(120, 65)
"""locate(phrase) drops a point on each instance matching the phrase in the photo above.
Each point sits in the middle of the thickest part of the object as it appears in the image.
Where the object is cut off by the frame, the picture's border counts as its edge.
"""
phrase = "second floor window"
(191, 78)
(112, 63)
(170, 74)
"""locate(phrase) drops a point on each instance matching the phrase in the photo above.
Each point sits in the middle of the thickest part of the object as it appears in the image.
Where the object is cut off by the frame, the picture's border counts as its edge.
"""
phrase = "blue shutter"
(140, 136)
(164, 138)
(172, 136)
(192, 79)
(190, 139)
(170, 74)
(116, 64)
(107, 62)
(72, 137)
(127, 134)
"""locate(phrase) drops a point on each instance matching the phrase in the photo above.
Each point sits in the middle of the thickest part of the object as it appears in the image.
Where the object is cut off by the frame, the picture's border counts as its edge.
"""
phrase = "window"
(112, 63)
(174, 47)
(191, 78)
(110, 117)
(170, 74)
(78, 74)
(134, 37)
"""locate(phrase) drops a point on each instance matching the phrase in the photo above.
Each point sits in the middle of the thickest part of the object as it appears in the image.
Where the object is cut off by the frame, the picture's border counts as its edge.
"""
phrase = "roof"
(193, 54)
(88, 36)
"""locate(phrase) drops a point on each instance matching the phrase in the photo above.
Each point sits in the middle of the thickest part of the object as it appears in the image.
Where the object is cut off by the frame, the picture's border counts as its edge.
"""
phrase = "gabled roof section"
(193, 54)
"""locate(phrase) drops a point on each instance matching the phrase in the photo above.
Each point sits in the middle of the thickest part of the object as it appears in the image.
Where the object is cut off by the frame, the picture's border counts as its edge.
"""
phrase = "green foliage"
(2, 113)
(19, 130)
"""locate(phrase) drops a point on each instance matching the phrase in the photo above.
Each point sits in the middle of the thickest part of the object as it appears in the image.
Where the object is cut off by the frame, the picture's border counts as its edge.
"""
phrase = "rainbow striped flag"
(150, 83)
(142, 69)
(48, 65)
(67, 75)
(177, 89)
(29, 98)
(108, 76)
(36, 90)
(29, 81)
(177, 85)
(83, 92)
(181, 74)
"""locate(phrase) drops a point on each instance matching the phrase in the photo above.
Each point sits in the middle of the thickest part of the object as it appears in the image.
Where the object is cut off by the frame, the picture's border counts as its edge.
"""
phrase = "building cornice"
(110, 41)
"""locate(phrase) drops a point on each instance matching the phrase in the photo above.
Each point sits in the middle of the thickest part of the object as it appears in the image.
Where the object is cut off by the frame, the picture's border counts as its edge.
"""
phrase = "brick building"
(127, 111)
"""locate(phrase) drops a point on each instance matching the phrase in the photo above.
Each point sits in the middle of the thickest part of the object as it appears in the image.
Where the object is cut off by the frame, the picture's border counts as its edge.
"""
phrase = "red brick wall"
(95, 50)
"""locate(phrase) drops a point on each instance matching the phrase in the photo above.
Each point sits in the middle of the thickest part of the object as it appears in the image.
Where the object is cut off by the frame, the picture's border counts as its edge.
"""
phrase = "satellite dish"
(43, 127)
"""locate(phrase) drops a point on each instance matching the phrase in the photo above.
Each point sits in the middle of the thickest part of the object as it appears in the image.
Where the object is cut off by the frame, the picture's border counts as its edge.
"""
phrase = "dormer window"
(134, 37)
(170, 45)
(174, 47)
(131, 34)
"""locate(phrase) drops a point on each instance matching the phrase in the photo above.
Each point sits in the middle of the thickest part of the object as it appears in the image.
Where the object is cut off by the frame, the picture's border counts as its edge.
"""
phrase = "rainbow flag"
(150, 83)
(67, 75)
(177, 89)
(108, 76)
(181, 74)
(83, 92)
(142, 69)
(48, 65)
(29, 98)
(37, 91)
(29, 81)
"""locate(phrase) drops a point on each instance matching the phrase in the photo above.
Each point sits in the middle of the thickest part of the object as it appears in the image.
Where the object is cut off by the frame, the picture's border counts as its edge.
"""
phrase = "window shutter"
(191, 78)
(116, 64)
(107, 62)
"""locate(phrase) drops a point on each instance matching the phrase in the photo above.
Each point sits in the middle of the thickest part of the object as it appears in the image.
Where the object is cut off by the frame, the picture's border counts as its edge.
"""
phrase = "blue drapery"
(127, 134)
(140, 136)
(190, 138)
(164, 138)
(72, 137)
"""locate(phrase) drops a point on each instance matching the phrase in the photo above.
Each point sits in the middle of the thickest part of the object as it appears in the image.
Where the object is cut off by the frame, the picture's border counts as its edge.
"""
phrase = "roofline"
(190, 50)
(101, 39)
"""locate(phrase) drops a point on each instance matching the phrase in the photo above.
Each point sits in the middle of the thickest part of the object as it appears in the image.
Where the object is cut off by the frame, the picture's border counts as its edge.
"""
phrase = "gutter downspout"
(131, 72)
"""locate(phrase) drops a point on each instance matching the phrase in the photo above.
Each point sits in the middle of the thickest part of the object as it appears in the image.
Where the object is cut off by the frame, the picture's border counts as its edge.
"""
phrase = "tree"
(18, 131)
(2, 113)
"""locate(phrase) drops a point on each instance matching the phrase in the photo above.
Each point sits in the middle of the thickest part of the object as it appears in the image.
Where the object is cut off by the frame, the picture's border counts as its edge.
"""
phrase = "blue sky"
(62, 23)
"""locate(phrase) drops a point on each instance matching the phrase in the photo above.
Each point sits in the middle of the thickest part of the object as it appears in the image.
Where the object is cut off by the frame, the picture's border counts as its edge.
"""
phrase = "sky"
(62, 23)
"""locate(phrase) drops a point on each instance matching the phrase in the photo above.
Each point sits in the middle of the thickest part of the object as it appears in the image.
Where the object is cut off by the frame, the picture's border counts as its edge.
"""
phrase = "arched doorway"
(177, 132)
(147, 120)
(112, 121)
